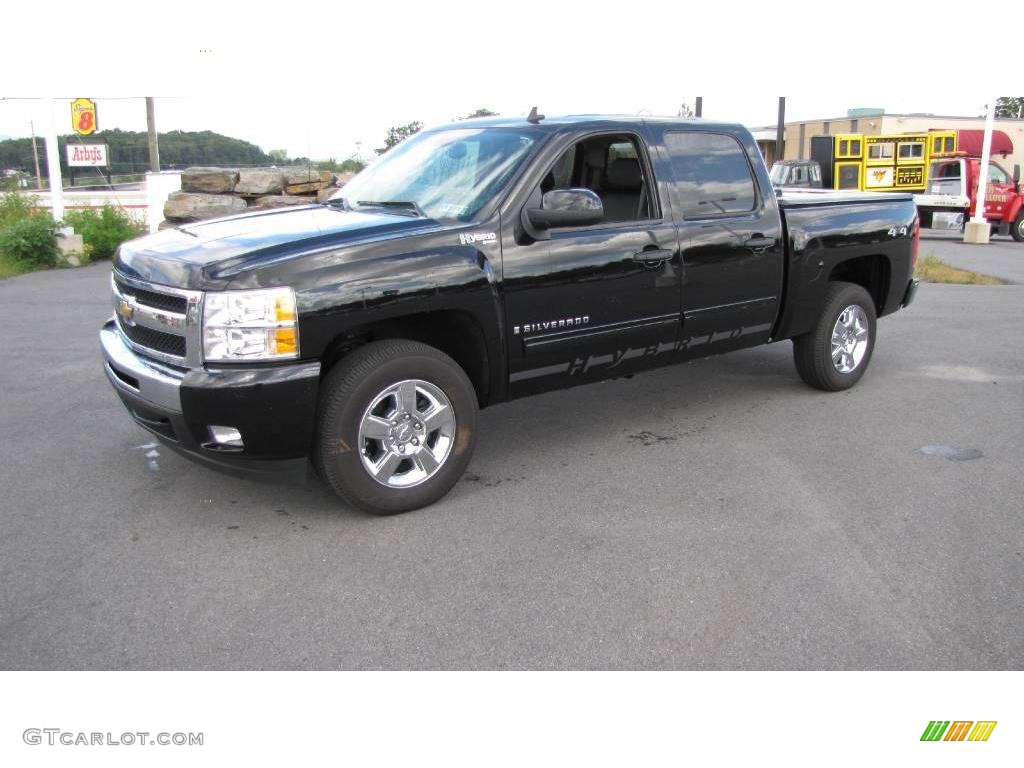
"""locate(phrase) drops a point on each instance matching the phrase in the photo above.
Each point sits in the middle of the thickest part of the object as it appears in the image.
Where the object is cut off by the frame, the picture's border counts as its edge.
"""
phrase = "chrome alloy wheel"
(407, 433)
(849, 339)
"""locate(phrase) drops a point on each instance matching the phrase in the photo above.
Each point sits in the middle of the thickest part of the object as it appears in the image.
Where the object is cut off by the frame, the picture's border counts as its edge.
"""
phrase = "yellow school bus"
(886, 162)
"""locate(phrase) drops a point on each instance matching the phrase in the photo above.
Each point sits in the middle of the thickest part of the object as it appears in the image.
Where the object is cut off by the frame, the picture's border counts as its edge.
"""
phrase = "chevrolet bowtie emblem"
(126, 310)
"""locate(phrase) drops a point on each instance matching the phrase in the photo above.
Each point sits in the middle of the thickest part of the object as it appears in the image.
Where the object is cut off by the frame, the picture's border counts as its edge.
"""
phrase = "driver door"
(595, 301)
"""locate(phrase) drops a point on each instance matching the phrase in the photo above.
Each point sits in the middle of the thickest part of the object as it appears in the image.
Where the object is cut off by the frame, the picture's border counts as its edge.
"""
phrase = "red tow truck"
(951, 190)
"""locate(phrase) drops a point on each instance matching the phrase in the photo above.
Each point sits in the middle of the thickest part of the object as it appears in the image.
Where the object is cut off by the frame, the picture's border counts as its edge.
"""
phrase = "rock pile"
(210, 192)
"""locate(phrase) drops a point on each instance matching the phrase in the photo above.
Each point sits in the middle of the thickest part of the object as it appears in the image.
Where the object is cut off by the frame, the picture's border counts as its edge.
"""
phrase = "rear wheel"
(397, 425)
(836, 352)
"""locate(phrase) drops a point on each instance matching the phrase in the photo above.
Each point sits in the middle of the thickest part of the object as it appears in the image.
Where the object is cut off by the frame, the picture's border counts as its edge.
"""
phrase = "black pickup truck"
(479, 262)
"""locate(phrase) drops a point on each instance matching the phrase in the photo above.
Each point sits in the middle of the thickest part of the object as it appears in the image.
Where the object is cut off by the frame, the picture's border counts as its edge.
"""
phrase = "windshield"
(778, 174)
(446, 174)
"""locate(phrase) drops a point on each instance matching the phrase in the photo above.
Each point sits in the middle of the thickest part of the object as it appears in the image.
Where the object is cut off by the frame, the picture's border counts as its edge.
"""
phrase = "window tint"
(712, 175)
(946, 170)
(622, 149)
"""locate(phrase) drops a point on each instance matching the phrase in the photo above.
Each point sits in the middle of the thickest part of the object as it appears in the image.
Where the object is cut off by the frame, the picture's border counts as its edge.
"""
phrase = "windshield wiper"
(406, 205)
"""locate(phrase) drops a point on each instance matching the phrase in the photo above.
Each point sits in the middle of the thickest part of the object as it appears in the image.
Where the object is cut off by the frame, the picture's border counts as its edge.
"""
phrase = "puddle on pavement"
(151, 454)
(952, 452)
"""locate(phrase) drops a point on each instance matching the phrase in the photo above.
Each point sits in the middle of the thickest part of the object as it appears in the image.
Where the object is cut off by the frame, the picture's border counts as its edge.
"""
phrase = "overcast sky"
(321, 128)
(317, 78)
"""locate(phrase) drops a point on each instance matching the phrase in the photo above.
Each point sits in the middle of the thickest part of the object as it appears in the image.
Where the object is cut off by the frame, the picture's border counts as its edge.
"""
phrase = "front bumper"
(273, 407)
(911, 292)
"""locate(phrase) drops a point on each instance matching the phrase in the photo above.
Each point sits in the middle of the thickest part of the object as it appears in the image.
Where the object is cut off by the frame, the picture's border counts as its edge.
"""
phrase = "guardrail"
(145, 204)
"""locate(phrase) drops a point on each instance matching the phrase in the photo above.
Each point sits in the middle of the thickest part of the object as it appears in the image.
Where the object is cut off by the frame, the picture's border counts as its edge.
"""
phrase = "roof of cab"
(585, 121)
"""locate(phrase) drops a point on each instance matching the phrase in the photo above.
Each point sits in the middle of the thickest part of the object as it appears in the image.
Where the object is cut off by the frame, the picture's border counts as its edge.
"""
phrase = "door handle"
(653, 254)
(759, 241)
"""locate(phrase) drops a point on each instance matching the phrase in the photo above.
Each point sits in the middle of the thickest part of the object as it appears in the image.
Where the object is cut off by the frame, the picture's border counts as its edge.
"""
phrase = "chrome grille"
(165, 301)
(158, 321)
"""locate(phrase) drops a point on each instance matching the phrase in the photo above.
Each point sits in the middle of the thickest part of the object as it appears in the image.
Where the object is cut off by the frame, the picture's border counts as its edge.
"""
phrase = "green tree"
(129, 151)
(350, 165)
(278, 156)
(484, 112)
(1010, 106)
(398, 134)
(684, 110)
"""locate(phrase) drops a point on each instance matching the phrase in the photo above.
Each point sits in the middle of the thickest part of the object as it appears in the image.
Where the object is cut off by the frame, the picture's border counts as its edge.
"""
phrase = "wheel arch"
(456, 332)
(873, 272)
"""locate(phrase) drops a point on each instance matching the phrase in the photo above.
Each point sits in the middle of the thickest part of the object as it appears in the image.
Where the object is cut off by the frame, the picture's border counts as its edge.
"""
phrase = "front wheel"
(397, 426)
(1018, 227)
(836, 352)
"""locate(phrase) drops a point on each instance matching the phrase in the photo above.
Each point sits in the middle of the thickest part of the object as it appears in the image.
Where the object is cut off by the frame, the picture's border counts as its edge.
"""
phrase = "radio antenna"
(533, 117)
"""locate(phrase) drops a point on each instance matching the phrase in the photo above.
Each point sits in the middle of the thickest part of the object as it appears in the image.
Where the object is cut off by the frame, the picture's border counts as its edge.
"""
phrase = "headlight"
(250, 325)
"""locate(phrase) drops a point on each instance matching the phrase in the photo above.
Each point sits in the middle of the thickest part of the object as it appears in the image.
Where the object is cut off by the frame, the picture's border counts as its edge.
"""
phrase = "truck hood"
(194, 255)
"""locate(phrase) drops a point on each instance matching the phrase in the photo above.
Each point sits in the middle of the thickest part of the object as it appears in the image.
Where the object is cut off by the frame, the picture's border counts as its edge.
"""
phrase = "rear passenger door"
(730, 238)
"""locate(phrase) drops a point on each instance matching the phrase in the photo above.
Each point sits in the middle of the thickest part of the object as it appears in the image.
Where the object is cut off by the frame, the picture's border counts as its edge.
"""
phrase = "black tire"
(352, 386)
(812, 352)
(1017, 230)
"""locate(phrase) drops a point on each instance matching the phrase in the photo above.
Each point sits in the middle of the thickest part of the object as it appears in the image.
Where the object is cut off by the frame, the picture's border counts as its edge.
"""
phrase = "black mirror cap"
(567, 208)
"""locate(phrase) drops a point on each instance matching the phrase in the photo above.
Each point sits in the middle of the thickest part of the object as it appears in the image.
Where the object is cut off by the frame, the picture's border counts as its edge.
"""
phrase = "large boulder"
(190, 206)
(259, 181)
(300, 174)
(278, 201)
(215, 180)
(303, 189)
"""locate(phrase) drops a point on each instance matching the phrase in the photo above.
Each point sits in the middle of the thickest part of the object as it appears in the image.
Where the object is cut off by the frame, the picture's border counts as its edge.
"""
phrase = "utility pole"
(698, 107)
(977, 229)
(35, 156)
(780, 131)
(154, 147)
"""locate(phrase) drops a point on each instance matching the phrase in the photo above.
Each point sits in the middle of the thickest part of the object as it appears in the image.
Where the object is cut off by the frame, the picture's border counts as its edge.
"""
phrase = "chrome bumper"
(132, 374)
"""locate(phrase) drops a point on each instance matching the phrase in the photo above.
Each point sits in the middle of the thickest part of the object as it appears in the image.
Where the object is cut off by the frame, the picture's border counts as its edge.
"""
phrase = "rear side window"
(712, 175)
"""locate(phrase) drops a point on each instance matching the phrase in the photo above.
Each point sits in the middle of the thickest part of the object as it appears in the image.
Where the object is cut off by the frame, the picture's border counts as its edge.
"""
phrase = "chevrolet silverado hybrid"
(480, 262)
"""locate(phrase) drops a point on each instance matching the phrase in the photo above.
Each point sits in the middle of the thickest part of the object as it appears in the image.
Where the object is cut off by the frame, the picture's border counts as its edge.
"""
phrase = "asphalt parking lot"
(715, 515)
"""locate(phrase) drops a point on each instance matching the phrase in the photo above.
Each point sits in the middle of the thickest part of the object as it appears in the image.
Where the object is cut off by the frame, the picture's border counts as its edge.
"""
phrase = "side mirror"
(564, 208)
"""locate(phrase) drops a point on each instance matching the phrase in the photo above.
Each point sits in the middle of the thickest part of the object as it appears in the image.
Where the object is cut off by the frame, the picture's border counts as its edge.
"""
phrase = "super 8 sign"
(83, 116)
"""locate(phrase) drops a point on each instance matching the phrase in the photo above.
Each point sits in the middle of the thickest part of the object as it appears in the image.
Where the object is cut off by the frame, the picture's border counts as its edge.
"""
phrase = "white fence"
(145, 204)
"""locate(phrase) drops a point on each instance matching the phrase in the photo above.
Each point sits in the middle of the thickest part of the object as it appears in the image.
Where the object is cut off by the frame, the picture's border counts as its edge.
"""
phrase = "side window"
(712, 175)
(880, 151)
(910, 150)
(610, 166)
(997, 175)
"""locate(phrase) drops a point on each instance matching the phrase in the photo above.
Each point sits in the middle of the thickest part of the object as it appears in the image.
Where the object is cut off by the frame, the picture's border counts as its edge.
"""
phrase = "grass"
(9, 267)
(931, 269)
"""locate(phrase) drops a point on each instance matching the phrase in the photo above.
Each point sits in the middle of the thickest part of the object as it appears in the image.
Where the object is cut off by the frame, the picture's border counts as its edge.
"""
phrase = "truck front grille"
(159, 321)
(165, 301)
(168, 343)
